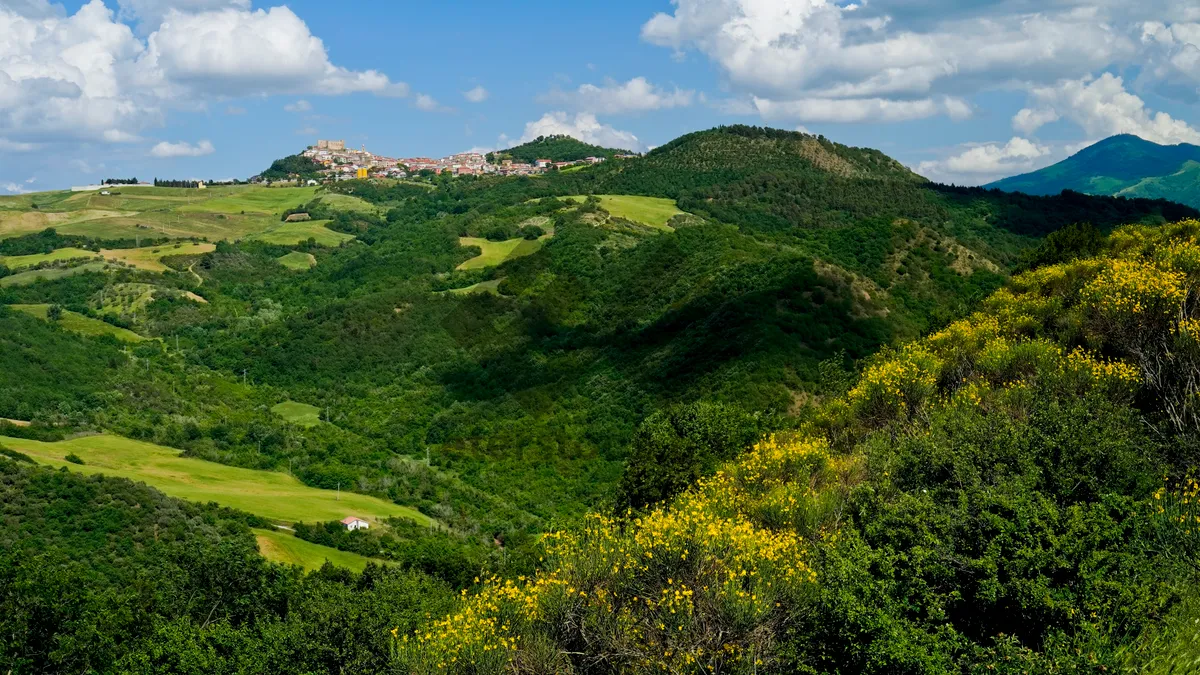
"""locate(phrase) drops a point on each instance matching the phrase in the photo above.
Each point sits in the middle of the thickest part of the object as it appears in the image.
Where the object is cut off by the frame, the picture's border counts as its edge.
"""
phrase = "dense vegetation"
(1123, 165)
(291, 167)
(610, 367)
(556, 148)
(988, 499)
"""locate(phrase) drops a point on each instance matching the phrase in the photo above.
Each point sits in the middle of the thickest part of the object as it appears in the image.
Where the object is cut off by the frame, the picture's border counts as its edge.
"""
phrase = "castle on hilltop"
(331, 145)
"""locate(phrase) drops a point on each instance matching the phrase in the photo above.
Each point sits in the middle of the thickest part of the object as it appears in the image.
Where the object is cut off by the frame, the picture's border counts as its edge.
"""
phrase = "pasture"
(17, 262)
(270, 494)
(492, 286)
(50, 273)
(150, 257)
(254, 199)
(283, 547)
(78, 323)
(496, 252)
(297, 261)
(301, 414)
(290, 234)
(655, 212)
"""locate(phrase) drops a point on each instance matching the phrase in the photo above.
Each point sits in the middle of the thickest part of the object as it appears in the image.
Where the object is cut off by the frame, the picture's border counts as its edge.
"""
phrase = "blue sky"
(962, 91)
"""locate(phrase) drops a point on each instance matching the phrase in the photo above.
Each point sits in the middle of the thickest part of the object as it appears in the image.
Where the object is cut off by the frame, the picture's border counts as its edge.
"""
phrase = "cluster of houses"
(342, 163)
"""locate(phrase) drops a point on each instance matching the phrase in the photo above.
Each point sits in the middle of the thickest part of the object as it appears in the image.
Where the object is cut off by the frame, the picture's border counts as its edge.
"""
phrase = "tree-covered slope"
(557, 148)
(1123, 165)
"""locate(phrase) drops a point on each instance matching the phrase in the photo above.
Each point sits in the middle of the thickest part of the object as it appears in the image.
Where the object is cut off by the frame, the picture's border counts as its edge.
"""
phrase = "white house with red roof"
(355, 523)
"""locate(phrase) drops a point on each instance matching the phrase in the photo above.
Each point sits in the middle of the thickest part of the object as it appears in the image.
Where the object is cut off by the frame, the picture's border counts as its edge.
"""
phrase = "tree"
(54, 312)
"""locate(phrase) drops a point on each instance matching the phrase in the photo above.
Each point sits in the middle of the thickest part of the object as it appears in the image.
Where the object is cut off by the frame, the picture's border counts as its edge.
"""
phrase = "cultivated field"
(271, 201)
(150, 257)
(298, 261)
(17, 262)
(302, 414)
(283, 547)
(289, 234)
(270, 494)
(78, 323)
(651, 211)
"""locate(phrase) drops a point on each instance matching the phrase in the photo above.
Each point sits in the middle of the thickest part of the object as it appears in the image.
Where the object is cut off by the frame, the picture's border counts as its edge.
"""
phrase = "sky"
(962, 91)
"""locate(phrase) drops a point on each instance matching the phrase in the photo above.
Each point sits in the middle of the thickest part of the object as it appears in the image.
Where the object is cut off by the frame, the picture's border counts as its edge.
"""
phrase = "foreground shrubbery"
(988, 499)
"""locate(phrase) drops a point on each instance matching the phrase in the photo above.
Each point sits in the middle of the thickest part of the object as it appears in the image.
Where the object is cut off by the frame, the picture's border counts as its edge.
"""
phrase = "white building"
(352, 523)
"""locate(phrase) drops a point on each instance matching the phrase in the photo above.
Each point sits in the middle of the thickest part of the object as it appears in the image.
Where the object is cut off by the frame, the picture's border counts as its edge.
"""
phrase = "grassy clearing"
(290, 234)
(254, 199)
(150, 257)
(301, 414)
(270, 494)
(341, 202)
(283, 547)
(492, 287)
(78, 323)
(23, 278)
(16, 262)
(298, 261)
(496, 252)
(652, 211)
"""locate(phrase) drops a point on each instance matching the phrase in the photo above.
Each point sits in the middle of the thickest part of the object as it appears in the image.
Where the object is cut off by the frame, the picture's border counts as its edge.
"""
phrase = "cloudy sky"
(963, 91)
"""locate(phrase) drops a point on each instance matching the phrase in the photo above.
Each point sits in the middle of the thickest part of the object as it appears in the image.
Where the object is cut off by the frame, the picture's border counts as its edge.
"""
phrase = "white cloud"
(88, 76)
(1028, 121)
(983, 163)
(165, 150)
(859, 109)
(16, 188)
(476, 95)
(82, 166)
(298, 106)
(584, 127)
(426, 103)
(12, 146)
(307, 131)
(235, 110)
(636, 95)
(1102, 107)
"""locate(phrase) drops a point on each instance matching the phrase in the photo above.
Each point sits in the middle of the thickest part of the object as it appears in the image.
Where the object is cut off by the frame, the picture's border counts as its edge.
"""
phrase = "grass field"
(16, 262)
(302, 414)
(652, 211)
(342, 202)
(270, 494)
(496, 252)
(254, 199)
(23, 278)
(78, 323)
(289, 234)
(284, 547)
(492, 287)
(150, 257)
(298, 261)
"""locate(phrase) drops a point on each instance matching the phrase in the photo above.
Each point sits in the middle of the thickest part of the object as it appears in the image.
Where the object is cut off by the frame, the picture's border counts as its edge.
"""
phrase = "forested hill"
(1123, 165)
(557, 148)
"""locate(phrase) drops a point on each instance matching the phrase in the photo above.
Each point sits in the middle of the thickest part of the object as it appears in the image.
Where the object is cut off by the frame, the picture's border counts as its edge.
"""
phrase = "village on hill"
(342, 163)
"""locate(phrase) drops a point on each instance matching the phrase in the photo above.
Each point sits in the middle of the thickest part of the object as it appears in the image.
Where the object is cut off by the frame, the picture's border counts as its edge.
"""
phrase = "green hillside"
(556, 149)
(1123, 165)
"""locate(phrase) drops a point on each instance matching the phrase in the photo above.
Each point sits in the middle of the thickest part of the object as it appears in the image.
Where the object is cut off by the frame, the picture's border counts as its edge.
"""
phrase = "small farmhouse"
(352, 523)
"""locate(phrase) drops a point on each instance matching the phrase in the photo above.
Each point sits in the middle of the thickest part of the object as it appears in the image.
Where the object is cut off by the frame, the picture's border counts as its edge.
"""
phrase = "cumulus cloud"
(298, 106)
(582, 126)
(476, 94)
(985, 162)
(427, 103)
(1102, 107)
(898, 59)
(611, 98)
(88, 76)
(16, 188)
(165, 150)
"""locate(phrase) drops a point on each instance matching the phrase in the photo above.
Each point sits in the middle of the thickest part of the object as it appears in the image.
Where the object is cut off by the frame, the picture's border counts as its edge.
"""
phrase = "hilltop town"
(342, 163)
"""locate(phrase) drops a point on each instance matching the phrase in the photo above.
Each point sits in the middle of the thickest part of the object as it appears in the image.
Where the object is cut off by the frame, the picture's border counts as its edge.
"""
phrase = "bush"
(74, 458)
(16, 456)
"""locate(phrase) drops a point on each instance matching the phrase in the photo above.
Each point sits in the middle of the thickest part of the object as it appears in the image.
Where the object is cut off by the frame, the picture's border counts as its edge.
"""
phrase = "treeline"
(176, 183)
(105, 575)
(119, 181)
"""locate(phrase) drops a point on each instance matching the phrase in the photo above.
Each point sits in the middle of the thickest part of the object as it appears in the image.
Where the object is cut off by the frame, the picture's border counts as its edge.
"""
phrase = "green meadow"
(492, 286)
(289, 234)
(270, 494)
(254, 199)
(50, 273)
(298, 261)
(151, 257)
(302, 414)
(284, 547)
(17, 262)
(496, 252)
(652, 211)
(78, 323)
